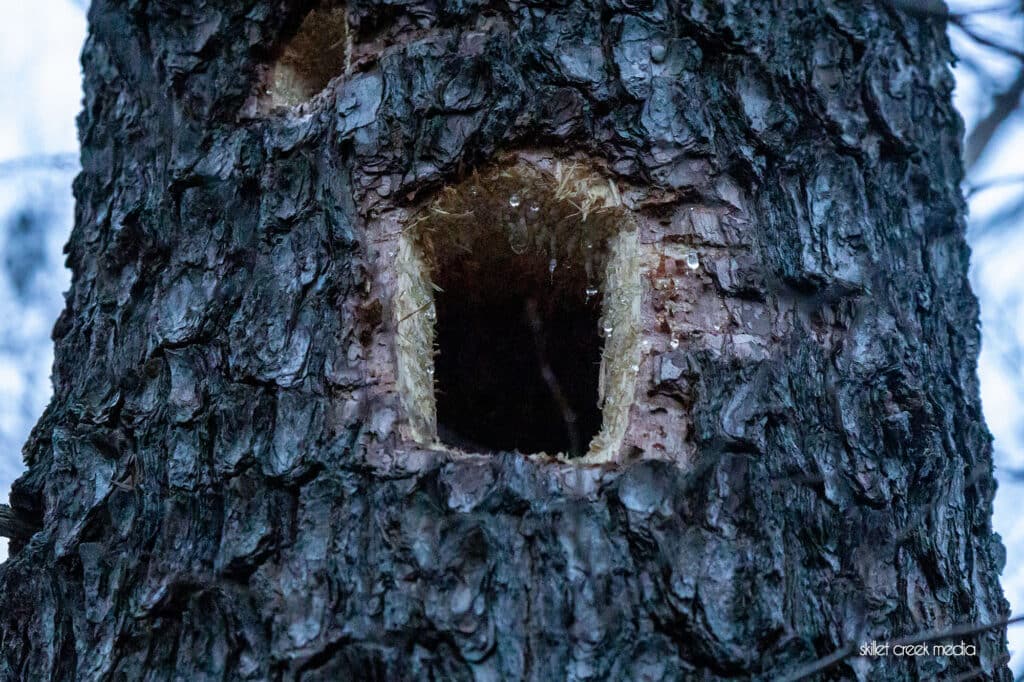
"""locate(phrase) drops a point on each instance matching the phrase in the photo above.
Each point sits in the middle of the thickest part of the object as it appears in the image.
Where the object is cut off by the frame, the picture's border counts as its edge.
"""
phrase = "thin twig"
(568, 415)
(821, 664)
(63, 161)
(964, 630)
(924, 637)
(995, 182)
(418, 310)
(960, 22)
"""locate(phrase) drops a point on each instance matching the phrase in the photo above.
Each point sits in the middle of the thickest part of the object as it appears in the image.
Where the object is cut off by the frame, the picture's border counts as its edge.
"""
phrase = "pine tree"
(342, 275)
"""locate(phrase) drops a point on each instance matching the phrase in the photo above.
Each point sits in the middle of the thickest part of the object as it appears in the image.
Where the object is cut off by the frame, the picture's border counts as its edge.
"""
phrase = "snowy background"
(40, 78)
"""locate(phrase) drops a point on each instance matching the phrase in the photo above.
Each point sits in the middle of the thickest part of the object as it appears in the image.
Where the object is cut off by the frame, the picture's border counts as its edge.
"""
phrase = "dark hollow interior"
(518, 356)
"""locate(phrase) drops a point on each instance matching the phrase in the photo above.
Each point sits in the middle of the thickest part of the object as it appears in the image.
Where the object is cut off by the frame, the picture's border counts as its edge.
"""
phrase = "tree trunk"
(231, 483)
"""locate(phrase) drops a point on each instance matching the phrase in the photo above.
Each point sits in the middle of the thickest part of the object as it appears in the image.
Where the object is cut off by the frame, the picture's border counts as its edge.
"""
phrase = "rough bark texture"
(221, 495)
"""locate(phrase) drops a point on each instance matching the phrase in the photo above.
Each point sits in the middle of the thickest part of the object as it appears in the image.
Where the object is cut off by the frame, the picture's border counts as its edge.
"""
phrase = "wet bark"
(220, 492)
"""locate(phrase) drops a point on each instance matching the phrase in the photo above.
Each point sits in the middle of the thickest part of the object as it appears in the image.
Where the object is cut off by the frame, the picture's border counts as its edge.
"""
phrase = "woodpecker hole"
(517, 313)
(320, 50)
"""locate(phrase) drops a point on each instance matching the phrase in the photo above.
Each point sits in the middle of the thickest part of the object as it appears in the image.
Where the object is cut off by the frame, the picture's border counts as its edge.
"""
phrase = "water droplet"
(658, 52)
(392, 253)
(692, 260)
(515, 200)
(430, 371)
(674, 343)
(591, 292)
(518, 238)
(607, 329)
(431, 314)
(552, 264)
(645, 346)
(634, 368)
(662, 283)
(474, 191)
(533, 210)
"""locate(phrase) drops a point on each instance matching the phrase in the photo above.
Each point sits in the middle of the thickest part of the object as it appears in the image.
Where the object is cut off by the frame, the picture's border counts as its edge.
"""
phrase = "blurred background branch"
(65, 161)
(1004, 104)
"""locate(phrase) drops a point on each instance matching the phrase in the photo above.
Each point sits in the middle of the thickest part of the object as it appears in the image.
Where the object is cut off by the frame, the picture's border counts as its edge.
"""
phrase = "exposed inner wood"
(573, 310)
(320, 50)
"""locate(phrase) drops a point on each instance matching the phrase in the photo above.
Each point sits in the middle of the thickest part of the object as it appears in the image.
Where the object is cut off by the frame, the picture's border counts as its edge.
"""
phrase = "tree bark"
(217, 490)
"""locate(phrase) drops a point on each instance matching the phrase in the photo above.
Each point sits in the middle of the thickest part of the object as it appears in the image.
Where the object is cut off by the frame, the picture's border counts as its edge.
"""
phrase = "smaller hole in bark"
(319, 51)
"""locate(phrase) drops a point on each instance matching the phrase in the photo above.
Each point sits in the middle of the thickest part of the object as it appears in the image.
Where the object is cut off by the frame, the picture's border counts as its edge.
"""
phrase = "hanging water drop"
(533, 210)
(518, 238)
(607, 329)
(645, 346)
(515, 200)
(552, 264)
(634, 368)
(518, 243)
(674, 343)
(591, 292)
(692, 260)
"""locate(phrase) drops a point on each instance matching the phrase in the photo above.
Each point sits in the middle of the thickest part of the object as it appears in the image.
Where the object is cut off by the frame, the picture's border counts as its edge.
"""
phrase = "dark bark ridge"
(219, 487)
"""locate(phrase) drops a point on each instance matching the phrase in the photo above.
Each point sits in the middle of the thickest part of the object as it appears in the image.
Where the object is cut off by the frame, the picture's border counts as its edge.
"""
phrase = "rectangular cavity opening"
(517, 308)
(518, 352)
